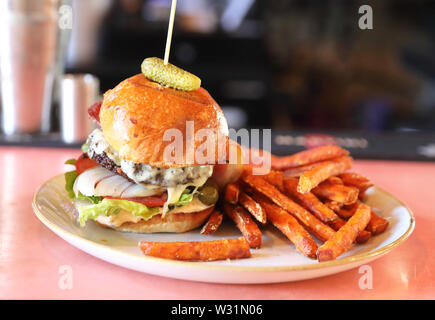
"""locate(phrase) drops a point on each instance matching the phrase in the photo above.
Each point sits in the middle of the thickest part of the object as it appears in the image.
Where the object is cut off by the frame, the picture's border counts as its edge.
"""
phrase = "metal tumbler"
(78, 93)
(28, 39)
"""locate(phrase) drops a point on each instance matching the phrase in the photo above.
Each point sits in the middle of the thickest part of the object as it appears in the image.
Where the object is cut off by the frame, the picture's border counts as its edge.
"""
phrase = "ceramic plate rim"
(320, 265)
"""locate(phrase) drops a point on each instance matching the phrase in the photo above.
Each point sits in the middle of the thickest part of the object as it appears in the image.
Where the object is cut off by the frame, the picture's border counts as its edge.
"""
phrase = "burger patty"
(104, 161)
(101, 152)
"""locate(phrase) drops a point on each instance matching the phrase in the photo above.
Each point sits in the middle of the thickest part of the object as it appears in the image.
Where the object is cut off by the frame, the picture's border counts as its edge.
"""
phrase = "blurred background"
(301, 67)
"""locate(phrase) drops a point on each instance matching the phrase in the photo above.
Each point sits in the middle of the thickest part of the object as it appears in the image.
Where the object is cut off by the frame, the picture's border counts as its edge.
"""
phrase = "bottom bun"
(176, 222)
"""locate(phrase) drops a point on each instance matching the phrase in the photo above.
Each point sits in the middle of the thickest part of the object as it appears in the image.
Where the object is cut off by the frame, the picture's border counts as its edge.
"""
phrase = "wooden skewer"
(170, 28)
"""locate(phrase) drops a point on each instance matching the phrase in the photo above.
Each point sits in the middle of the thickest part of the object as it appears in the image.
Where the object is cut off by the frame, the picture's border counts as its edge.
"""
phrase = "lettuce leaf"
(93, 199)
(106, 207)
(70, 178)
(71, 161)
(184, 199)
(113, 206)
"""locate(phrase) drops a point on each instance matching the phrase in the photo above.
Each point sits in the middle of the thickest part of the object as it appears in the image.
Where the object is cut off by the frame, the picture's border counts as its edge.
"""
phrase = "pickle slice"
(208, 195)
(169, 75)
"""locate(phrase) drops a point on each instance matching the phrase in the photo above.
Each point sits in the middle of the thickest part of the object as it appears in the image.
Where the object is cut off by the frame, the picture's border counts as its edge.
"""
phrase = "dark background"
(300, 67)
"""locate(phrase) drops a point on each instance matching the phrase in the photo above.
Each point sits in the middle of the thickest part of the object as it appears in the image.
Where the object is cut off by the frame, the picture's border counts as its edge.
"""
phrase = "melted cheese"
(174, 193)
(142, 173)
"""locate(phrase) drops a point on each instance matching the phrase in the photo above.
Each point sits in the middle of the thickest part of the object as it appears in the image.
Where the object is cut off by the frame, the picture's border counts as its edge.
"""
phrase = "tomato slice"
(84, 163)
(151, 201)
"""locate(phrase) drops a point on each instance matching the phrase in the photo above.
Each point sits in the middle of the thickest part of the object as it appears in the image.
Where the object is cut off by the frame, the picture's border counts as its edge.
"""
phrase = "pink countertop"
(31, 255)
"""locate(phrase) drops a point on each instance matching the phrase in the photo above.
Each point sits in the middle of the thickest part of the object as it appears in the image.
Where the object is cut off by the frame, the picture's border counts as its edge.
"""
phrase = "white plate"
(276, 261)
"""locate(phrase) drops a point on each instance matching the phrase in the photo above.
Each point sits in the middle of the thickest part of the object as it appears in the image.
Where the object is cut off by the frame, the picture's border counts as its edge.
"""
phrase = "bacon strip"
(94, 111)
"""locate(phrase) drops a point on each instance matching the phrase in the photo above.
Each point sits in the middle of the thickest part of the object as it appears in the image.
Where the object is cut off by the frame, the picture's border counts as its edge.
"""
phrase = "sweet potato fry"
(198, 251)
(308, 156)
(245, 224)
(347, 211)
(312, 178)
(290, 227)
(333, 205)
(253, 207)
(337, 224)
(232, 192)
(345, 236)
(275, 178)
(315, 226)
(309, 201)
(363, 236)
(213, 223)
(377, 224)
(356, 180)
(336, 192)
(334, 180)
(298, 171)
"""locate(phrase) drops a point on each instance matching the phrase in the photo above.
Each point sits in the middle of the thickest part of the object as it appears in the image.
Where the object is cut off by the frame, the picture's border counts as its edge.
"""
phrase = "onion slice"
(137, 190)
(112, 186)
(99, 181)
(86, 181)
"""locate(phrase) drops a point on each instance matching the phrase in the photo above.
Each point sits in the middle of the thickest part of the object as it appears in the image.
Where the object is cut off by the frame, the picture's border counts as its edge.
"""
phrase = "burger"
(125, 180)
